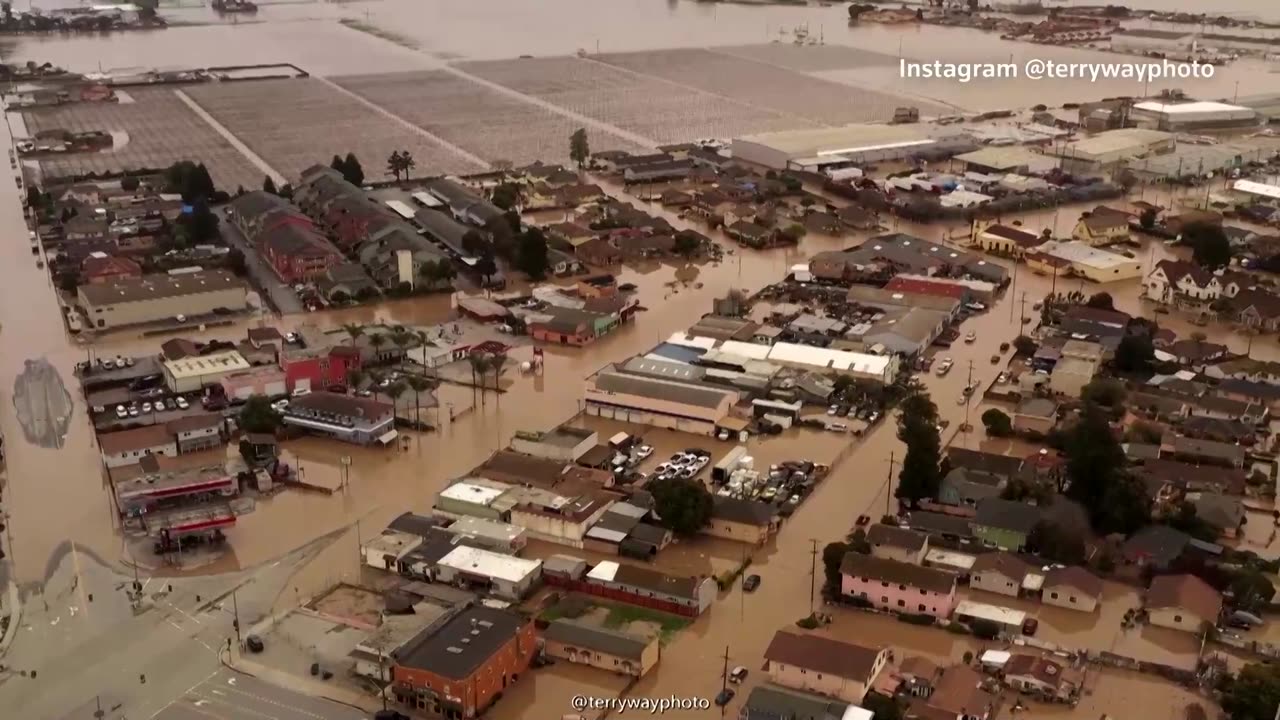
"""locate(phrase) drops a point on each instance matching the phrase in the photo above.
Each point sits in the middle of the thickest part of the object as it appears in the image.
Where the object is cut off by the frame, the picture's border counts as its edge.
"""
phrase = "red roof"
(110, 265)
(927, 287)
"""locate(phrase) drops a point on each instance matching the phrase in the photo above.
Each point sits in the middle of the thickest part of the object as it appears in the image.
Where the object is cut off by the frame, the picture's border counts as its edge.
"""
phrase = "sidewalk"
(303, 685)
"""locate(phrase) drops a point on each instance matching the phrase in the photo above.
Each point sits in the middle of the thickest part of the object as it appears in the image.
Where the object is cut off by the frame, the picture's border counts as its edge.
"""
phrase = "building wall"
(506, 589)
(742, 532)
(475, 693)
(798, 678)
(543, 334)
(604, 661)
(1031, 423)
(320, 372)
(154, 309)
(656, 419)
(995, 582)
(131, 457)
(1070, 598)
(1177, 619)
(563, 531)
(899, 598)
(889, 552)
(360, 435)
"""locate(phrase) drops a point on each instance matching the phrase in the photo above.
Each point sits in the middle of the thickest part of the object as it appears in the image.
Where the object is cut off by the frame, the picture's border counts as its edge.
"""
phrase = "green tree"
(506, 196)
(496, 362)
(286, 191)
(1135, 353)
(531, 253)
(402, 340)
(353, 332)
(688, 243)
(395, 164)
(1210, 247)
(269, 185)
(394, 391)
(407, 163)
(201, 224)
(683, 506)
(1095, 460)
(1104, 391)
(882, 707)
(129, 183)
(1101, 301)
(68, 282)
(1253, 693)
(1184, 518)
(475, 244)
(579, 148)
(418, 386)
(336, 164)
(190, 180)
(487, 268)
(1055, 542)
(1024, 345)
(793, 232)
(920, 476)
(355, 377)
(1251, 591)
(832, 556)
(480, 364)
(257, 415)
(351, 170)
(236, 262)
(997, 423)
(1148, 218)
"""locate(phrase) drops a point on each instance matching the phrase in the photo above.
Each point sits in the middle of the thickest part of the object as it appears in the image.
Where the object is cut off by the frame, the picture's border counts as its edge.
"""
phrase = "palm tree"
(354, 377)
(395, 163)
(496, 361)
(394, 391)
(417, 385)
(353, 331)
(402, 340)
(479, 366)
(377, 341)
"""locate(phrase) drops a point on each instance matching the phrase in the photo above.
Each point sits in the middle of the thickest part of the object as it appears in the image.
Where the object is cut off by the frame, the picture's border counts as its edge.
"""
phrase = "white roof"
(949, 558)
(604, 571)
(1033, 581)
(472, 493)
(827, 358)
(193, 367)
(1203, 106)
(706, 343)
(994, 613)
(393, 542)
(995, 657)
(1078, 252)
(853, 712)
(482, 527)
(427, 199)
(400, 209)
(490, 564)
(1257, 188)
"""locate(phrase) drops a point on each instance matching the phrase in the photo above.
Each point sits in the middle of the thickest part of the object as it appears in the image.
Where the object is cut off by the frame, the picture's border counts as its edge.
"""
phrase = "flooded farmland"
(629, 101)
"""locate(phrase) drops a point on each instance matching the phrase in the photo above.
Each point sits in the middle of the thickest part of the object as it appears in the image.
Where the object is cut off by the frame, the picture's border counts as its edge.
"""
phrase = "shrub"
(917, 619)
(808, 623)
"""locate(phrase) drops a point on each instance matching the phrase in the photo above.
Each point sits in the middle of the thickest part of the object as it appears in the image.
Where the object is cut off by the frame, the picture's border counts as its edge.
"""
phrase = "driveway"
(277, 294)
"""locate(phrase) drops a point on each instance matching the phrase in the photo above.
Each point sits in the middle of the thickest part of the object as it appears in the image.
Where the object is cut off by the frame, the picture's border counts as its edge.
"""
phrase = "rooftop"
(898, 573)
(823, 655)
(653, 580)
(455, 646)
(158, 286)
(702, 396)
(475, 561)
(1186, 592)
(598, 639)
(196, 366)
(897, 537)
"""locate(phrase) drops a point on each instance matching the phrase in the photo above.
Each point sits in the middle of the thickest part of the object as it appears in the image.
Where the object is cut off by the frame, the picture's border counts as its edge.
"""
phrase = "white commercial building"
(1261, 191)
(1113, 147)
(1178, 117)
(385, 551)
(881, 368)
(1138, 40)
(162, 296)
(503, 576)
(193, 373)
(1092, 263)
(852, 144)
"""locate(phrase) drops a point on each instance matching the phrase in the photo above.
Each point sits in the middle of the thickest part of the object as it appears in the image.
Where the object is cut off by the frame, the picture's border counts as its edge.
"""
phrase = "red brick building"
(295, 249)
(319, 369)
(458, 666)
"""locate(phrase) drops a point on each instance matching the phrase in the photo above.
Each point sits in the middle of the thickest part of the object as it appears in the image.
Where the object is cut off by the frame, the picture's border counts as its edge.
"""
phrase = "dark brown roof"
(1043, 669)
(960, 693)
(140, 438)
(1187, 592)
(343, 405)
(1004, 563)
(264, 334)
(158, 286)
(1075, 577)
(898, 573)
(897, 537)
(1022, 238)
(824, 655)
(194, 422)
(1175, 270)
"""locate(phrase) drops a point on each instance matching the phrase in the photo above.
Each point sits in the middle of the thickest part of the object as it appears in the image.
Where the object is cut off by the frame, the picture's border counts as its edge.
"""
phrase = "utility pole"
(235, 608)
(888, 486)
(968, 393)
(813, 574)
(382, 676)
(724, 677)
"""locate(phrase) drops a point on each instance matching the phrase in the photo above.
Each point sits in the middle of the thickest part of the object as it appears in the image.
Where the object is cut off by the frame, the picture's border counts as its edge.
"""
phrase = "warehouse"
(1196, 161)
(1113, 147)
(853, 144)
(150, 298)
(1007, 159)
(1267, 105)
(688, 407)
(1190, 116)
(1137, 40)
(194, 373)
(1093, 264)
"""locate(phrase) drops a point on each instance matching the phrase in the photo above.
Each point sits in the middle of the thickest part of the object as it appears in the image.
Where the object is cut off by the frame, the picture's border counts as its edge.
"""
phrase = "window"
(1053, 595)
(1072, 598)
(920, 607)
(902, 587)
(803, 671)
(1177, 618)
(902, 603)
(884, 599)
(884, 584)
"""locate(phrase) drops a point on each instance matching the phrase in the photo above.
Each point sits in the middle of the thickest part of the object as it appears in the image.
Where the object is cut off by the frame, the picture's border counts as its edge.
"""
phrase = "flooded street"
(56, 489)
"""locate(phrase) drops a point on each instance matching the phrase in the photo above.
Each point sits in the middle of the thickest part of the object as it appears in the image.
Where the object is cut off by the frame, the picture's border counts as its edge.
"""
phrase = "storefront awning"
(388, 437)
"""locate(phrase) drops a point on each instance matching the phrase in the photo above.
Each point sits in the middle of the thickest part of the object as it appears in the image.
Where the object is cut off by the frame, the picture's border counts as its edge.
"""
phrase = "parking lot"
(311, 121)
(484, 121)
(152, 129)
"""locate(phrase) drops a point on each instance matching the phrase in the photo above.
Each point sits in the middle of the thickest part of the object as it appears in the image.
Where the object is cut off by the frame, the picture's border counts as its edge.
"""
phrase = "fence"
(622, 596)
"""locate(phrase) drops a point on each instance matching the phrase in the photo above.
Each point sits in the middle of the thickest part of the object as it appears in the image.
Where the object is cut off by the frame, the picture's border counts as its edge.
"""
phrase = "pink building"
(898, 586)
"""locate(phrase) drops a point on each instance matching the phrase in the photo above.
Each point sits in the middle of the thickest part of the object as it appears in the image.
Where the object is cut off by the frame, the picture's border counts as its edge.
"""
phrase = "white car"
(182, 403)
(122, 412)
(133, 411)
(644, 451)
(279, 405)
(146, 407)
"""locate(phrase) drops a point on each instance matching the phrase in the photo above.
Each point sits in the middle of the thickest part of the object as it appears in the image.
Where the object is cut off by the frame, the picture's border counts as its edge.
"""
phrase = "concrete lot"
(646, 106)
(311, 121)
(160, 129)
(479, 119)
(763, 85)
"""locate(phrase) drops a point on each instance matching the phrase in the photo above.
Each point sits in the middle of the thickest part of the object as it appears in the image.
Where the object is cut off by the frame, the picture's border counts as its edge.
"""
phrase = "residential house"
(464, 205)
(999, 572)
(898, 586)
(1258, 309)
(1202, 451)
(294, 248)
(601, 648)
(857, 217)
(1102, 226)
(1181, 281)
(598, 252)
(567, 326)
(960, 695)
(1182, 602)
(966, 488)
(1072, 587)
(894, 543)
(1005, 467)
(1157, 546)
(1225, 513)
(1245, 368)
(1007, 240)
(750, 234)
(1005, 524)
(1043, 677)
(824, 665)
(771, 702)
(1196, 353)
(568, 235)
(1220, 408)
(1035, 416)
(747, 521)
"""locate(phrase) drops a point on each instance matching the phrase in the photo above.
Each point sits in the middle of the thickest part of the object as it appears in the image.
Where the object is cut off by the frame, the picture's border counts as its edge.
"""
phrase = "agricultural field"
(660, 111)
(808, 58)
(479, 119)
(152, 128)
(764, 85)
(294, 124)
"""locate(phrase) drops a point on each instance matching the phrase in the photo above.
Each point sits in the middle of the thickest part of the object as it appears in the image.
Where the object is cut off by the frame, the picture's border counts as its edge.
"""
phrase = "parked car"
(751, 583)
(724, 697)
(644, 451)
(1029, 626)
(182, 403)
(254, 643)
(737, 675)
(122, 412)
(971, 337)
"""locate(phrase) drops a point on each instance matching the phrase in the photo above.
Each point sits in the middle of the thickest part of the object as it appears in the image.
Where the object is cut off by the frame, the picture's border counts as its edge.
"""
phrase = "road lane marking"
(269, 701)
(241, 711)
